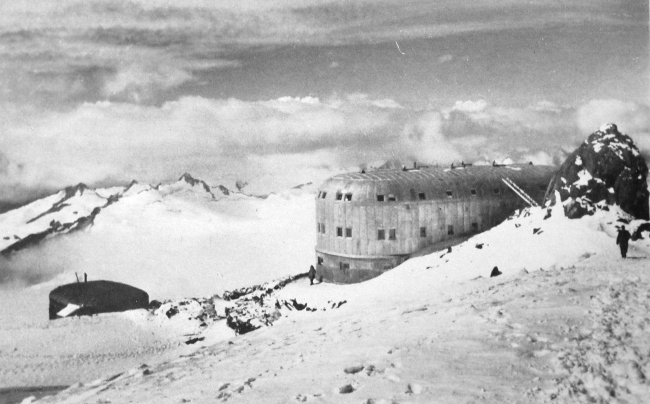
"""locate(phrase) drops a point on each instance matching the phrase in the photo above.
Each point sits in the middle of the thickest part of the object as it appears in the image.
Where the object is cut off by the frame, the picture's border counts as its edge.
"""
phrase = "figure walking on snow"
(311, 274)
(622, 239)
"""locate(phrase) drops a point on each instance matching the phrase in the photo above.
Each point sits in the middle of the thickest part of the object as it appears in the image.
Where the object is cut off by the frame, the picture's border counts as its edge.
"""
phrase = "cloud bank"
(282, 142)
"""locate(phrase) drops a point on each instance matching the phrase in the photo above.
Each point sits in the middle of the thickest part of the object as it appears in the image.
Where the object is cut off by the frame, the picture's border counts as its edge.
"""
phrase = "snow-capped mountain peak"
(187, 177)
(75, 207)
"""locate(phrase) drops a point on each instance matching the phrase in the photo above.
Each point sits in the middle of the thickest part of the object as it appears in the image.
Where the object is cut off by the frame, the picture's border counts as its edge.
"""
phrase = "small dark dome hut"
(370, 222)
(94, 297)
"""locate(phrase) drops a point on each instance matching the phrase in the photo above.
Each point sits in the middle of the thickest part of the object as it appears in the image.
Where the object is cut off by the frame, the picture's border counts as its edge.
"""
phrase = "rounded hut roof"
(435, 182)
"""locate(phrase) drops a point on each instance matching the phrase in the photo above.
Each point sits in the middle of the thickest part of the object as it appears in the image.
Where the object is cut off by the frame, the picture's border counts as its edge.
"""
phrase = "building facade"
(368, 223)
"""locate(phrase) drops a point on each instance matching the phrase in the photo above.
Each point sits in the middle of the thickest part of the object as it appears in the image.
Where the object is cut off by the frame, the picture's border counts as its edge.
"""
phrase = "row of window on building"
(347, 197)
(392, 234)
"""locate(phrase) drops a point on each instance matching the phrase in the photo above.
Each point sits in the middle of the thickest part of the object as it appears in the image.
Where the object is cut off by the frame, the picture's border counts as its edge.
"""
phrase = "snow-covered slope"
(567, 321)
(172, 240)
(75, 208)
(59, 213)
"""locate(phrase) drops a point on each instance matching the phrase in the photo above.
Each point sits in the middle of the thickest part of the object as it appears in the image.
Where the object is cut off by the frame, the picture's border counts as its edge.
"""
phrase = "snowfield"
(567, 321)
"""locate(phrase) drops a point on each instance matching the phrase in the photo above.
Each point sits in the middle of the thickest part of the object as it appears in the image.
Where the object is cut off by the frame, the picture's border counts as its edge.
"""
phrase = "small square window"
(324, 195)
(344, 266)
(422, 196)
(339, 232)
(339, 196)
(380, 198)
(348, 197)
(450, 229)
(348, 232)
(320, 260)
(381, 234)
(391, 234)
(423, 231)
(449, 194)
(475, 227)
(472, 191)
(391, 198)
(322, 228)
(497, 191)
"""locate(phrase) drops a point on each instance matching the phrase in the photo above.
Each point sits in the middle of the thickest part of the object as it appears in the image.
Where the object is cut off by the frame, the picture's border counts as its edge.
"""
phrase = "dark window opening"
(348, 232)
(318, 228)
(348, 197)
(339, 196)
(319, 192)
(450, 229)
(449, 194)
(391, 198)
(542, 187)
(339, 232)
(391, 234)
(324, 194)
(497, 191)
(344, 266)
(323, 228)
(380, 198)
(422, 196)
(381, 234)
(320, 260)
(423, 231)
(474, 227)
(473, 192)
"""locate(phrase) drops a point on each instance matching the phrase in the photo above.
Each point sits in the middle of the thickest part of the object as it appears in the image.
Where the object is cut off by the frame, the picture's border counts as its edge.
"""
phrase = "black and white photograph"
(324, 201)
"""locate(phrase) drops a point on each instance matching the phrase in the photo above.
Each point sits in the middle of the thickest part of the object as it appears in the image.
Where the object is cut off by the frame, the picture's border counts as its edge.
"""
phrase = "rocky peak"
(607, 168)
(193, 182)
(224, 190)
(72, 191)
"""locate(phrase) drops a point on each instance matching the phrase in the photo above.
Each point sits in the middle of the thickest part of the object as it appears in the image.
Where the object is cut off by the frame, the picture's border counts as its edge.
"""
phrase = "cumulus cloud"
(470, 106)
(630, 117)
(426, 142)
(104, 140)
(277, 143)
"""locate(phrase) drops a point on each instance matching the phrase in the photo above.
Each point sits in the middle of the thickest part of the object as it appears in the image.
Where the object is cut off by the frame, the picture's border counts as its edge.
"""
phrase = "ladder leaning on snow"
(520, 192)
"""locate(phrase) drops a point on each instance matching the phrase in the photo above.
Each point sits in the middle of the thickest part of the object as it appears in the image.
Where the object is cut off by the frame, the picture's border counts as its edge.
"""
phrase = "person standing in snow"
(311, 274)
(622, 239)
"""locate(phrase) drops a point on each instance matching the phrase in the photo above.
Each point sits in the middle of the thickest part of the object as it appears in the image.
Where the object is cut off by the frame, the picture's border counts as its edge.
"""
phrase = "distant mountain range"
(75, 208)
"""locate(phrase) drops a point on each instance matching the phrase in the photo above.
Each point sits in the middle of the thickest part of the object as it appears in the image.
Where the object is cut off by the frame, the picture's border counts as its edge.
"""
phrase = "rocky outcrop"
(55, 227)
(194, 182)
(607, 169)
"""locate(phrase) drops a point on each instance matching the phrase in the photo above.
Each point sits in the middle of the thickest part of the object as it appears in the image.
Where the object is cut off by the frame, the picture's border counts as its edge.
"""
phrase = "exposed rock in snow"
(607, 161)
(71, 209)
(566, 320)
(435, 329)
(74, 208)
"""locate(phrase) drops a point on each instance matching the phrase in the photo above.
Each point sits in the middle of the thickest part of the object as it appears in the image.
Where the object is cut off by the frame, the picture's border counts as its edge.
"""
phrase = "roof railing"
(520, 192)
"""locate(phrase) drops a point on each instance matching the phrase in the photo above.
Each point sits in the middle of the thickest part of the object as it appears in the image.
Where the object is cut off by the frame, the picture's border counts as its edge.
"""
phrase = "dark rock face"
(607, 168)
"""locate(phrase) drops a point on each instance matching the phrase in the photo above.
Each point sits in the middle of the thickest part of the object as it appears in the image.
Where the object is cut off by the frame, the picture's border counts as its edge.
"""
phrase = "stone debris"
(246, 309)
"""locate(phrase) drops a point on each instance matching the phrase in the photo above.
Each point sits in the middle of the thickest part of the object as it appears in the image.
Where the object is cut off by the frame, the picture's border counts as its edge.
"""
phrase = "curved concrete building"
(368, 223)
